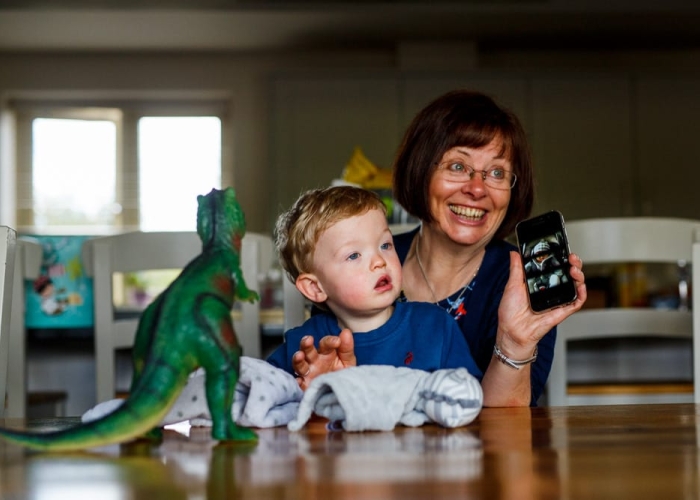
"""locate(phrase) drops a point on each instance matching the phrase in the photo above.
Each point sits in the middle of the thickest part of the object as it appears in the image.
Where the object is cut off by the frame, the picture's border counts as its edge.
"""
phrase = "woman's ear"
(310, 287)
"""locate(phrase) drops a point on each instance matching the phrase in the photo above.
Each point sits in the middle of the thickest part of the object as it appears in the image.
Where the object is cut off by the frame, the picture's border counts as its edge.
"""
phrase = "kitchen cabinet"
(582, 145)
(605, 144)
(318, 121)
(667, 127)
(509, 90)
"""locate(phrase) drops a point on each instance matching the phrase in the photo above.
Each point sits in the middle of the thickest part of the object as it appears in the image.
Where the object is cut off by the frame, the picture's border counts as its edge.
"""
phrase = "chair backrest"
(257, 254)
(28, 257)
(294, 303)
(140, 251)
(695, 277)
(624, 240)
(8, 239)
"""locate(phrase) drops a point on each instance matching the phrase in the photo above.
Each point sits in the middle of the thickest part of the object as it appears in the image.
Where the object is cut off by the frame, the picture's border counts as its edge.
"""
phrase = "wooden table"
(648, 451)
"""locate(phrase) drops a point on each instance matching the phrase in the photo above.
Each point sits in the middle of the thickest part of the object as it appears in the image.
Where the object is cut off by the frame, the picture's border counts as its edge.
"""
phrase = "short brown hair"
(461, 118)
(297, 230)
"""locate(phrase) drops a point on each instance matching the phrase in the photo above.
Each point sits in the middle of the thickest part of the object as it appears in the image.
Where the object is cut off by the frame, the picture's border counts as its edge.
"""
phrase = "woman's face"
(469, 211)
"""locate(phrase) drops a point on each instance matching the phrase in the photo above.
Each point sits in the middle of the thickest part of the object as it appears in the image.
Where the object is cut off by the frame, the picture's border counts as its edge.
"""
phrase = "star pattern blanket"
(370, 397)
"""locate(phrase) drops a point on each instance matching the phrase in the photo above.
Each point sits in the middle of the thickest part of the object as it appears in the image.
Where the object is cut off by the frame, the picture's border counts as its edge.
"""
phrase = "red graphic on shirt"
(460, 311)
(408, 359)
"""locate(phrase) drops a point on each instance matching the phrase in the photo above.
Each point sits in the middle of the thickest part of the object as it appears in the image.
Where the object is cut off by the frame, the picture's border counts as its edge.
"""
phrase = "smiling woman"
(459, 258)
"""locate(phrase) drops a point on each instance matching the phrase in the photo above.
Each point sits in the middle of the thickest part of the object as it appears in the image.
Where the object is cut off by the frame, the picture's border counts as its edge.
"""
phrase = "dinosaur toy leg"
(221, 362)
(220, 388)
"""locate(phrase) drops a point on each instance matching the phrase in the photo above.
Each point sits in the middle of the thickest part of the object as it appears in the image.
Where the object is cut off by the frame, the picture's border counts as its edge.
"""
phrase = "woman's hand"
(334, 353)
(520, 329)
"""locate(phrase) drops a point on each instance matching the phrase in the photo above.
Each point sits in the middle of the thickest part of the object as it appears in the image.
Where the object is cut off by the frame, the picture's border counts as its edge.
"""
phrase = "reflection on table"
(636, 452)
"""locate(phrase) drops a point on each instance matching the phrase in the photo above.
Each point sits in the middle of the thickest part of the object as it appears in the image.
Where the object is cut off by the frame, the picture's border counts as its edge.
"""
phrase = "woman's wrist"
(513, 363)
(512, 347)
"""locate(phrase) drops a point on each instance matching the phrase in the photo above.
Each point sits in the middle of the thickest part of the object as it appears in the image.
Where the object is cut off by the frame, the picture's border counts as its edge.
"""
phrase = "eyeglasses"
(496, 177)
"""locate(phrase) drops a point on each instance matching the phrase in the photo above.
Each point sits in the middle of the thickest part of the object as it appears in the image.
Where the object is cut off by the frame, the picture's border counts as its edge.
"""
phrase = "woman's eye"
(456, 167)
(497, 173)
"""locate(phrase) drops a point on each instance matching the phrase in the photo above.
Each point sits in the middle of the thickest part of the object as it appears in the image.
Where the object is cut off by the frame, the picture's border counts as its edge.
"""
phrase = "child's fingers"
(328, 344)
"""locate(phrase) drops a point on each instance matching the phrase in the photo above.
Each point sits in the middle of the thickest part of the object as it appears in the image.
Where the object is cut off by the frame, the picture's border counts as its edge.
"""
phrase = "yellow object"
(360, 170)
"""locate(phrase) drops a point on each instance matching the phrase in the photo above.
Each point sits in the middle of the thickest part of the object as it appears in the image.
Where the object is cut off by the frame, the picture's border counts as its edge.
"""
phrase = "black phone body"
(544, 249)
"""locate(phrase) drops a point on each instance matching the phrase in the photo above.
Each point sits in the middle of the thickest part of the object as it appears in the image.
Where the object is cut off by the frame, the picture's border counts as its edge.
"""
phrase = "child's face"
(357, 266)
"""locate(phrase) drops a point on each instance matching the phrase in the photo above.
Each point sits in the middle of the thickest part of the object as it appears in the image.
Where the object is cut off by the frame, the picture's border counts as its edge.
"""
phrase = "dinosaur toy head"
(220, 218)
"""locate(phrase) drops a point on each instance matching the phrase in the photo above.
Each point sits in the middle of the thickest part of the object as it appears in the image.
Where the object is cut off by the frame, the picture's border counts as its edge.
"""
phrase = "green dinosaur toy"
(186, 327)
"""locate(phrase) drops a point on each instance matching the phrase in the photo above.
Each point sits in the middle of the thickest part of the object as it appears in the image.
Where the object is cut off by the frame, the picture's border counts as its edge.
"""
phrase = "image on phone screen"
(544, 264)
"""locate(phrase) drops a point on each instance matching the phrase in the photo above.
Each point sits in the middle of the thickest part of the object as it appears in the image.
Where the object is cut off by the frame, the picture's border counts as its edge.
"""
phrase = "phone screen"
(544, 249)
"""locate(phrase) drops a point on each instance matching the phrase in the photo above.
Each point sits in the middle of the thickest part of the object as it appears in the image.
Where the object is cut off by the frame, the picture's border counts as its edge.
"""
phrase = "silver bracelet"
(512, 362)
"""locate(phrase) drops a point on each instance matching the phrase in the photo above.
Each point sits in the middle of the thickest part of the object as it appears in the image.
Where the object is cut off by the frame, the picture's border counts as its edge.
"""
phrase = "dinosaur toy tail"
(139, 414)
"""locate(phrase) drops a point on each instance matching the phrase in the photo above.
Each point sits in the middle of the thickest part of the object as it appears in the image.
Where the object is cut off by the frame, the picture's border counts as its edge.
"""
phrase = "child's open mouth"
(384, 282)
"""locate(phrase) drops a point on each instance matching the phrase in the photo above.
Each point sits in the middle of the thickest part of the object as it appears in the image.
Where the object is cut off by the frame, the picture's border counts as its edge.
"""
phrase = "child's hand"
(334, 353)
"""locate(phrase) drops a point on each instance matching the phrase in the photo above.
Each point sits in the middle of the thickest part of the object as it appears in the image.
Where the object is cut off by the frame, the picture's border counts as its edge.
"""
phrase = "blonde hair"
(298, 229)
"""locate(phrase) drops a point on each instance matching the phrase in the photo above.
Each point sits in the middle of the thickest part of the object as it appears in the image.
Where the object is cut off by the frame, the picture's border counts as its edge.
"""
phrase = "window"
(92, 169)
(100, 170)
(73, 173)
(179, 158)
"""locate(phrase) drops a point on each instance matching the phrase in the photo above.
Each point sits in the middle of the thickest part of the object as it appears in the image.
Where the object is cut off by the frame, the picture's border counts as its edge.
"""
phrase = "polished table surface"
(646, 451)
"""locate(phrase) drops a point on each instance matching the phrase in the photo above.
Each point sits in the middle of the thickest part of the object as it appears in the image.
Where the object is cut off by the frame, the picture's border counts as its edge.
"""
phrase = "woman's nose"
(475, 185)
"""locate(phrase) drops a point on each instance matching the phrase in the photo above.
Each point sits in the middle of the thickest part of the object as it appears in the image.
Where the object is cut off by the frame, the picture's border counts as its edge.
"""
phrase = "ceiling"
(247, 25)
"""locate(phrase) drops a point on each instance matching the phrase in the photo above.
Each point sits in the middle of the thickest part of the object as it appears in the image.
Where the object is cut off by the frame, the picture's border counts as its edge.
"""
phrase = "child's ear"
(310, 288)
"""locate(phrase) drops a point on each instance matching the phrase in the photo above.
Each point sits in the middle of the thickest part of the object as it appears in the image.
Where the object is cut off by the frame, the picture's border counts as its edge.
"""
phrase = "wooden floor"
(636, 452)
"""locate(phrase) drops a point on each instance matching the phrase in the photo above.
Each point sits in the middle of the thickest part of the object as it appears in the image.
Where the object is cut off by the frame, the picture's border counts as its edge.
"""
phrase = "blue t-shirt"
(418, 335)
(476, 311)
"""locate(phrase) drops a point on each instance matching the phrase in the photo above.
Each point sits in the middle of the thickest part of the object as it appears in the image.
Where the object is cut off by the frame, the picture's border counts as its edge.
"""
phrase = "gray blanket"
(374, 397)
(360, 398)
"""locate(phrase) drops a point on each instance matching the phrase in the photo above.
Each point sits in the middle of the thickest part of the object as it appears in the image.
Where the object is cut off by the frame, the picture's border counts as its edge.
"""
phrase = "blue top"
(418, 335)
(476, 311)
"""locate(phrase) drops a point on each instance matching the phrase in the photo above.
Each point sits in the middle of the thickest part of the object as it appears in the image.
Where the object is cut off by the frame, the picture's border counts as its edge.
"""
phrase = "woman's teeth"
(471, 213)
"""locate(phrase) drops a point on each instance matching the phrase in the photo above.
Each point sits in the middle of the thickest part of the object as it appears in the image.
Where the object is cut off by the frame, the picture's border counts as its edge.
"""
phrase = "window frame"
(126, 115)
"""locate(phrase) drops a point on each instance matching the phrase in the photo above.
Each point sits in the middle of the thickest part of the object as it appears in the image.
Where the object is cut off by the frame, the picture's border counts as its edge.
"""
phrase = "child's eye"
(387, 245)
(354, 256)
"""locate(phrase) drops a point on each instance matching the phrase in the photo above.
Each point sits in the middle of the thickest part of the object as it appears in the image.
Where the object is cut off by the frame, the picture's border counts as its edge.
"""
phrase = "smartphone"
(544, 249)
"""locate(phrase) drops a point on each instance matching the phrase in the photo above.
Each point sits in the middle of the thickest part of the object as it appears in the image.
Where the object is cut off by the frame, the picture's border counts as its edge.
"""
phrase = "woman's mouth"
(467, 212)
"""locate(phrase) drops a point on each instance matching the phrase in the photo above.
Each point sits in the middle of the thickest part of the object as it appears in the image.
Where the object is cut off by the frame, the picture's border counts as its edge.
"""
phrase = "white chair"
(28, 256)
(695, 304)
(139, 251)
(8, 239)
(295, 304)
(626, 240)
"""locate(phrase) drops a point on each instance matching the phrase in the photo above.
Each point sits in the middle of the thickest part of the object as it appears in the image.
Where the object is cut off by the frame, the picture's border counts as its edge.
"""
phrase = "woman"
(464, 169)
